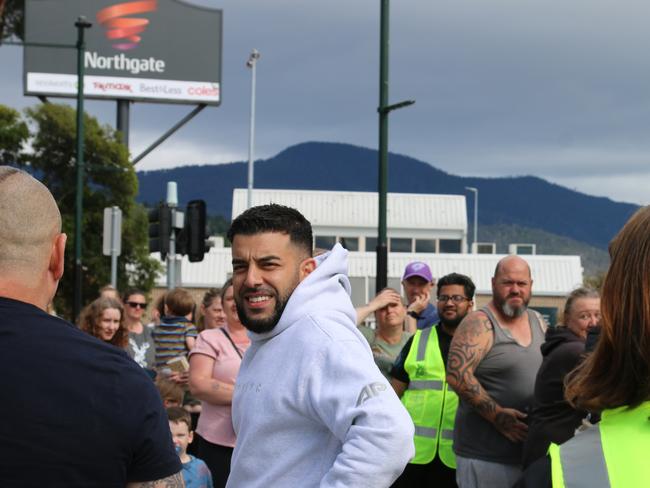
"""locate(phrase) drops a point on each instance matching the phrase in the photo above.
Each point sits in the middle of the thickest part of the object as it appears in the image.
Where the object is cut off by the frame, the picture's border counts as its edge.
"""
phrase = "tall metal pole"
(475, 191)
(172, 202)
(122, 120)
(81, 25)
(251, 63)
(382, 248)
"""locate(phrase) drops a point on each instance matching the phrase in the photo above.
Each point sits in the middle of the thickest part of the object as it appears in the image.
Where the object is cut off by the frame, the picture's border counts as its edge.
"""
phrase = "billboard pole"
(81, 25)
(122, 123)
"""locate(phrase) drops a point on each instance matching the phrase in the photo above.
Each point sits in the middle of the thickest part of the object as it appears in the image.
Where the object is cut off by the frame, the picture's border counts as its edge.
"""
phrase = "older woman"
(552, 418)
(214, 364)
(103, 319)
(212, 313)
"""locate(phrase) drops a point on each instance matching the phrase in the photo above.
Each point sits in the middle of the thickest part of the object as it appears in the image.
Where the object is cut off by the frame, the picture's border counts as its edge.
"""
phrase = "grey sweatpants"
(474, 473)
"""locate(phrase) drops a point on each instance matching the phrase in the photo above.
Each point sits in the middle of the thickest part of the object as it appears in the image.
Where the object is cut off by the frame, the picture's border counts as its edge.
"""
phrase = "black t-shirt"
(399, 373)
(76, 412)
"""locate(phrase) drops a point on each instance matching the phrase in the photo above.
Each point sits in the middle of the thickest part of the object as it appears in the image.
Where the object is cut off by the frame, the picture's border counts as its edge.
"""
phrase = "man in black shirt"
(76, 412)
(418, 377)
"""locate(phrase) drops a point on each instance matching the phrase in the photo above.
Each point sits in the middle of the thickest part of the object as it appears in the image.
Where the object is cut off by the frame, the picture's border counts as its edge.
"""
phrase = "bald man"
(493, 359)
(77, 412)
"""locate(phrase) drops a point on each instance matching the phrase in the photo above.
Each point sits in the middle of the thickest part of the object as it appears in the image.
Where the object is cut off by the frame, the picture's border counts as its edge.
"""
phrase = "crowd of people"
(275, 379)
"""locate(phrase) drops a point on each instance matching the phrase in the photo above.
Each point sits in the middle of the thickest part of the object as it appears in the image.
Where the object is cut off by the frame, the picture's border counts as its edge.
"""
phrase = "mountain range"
(519, 203)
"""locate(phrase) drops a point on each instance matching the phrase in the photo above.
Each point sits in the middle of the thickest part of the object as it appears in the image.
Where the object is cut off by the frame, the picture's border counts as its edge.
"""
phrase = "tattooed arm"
(472, 341)
(203, 386)
(173, 481)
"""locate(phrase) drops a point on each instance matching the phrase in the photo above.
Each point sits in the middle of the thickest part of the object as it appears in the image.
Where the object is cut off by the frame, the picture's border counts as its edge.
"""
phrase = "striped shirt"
(169, 337)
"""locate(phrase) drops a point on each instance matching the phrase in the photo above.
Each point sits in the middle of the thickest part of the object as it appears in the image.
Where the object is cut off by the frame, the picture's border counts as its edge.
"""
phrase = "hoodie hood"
(325, 292)
(556, 336)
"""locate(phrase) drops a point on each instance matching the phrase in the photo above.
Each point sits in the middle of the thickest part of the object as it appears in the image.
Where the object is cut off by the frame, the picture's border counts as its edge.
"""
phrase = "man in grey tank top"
(493, 360)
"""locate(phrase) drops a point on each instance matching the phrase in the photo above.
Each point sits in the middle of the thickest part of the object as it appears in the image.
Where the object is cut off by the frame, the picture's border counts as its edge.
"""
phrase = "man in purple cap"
(418, 283)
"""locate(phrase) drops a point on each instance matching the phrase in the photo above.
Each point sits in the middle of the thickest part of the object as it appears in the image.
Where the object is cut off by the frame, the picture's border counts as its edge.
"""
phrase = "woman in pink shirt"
(214, 364)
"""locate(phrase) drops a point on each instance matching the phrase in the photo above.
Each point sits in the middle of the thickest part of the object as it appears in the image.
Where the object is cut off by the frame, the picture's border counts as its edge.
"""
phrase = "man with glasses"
(141, 346)
(418, 377)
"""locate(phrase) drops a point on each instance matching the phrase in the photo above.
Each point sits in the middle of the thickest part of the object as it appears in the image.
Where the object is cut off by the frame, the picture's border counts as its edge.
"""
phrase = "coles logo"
(205, 91)
(121, 27)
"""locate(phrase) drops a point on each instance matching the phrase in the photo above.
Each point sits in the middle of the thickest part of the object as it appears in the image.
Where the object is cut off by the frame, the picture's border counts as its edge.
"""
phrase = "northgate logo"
(121, 27)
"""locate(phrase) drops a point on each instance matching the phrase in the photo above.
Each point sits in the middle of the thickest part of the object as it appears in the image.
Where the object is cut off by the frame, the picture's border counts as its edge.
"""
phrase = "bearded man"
(310, 408)
(493, 359)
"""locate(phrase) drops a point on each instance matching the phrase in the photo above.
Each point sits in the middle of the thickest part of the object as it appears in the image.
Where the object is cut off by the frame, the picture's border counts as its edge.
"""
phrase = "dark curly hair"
(92, 314)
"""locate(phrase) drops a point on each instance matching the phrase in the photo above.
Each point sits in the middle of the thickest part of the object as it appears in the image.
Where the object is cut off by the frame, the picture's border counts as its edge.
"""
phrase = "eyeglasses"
(453, 298)
(137, 305)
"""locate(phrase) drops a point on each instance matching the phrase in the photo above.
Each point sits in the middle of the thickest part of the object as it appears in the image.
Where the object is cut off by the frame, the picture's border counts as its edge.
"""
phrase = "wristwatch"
(413, 314)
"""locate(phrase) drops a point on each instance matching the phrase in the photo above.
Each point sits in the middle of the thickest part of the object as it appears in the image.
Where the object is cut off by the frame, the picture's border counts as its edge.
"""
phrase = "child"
(195, 472)
(171, 393)
(175, 335)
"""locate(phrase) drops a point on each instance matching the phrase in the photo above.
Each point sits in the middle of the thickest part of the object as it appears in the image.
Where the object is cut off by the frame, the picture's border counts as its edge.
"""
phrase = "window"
(450, 245)
(350, 243)
(324, 242)
(401, 244)
(371, 244)
(425, 245)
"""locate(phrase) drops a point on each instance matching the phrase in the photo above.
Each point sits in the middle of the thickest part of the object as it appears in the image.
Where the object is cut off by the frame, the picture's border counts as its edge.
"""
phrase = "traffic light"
(194, 230)
(160, 226)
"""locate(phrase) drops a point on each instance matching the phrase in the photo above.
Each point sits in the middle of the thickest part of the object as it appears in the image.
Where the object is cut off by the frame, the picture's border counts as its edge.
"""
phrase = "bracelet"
(413, 314)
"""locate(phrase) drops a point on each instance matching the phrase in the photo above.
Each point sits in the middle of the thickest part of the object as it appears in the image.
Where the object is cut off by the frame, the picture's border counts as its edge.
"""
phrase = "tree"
(109, 180)
(13, 135)
(12, 16)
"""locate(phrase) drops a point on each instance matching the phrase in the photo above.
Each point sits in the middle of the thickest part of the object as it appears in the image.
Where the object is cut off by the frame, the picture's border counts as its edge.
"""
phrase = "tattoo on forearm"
(465, 354)
(174, 481)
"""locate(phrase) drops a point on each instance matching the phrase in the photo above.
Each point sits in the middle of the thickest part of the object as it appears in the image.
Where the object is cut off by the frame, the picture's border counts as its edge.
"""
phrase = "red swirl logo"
(124, 30)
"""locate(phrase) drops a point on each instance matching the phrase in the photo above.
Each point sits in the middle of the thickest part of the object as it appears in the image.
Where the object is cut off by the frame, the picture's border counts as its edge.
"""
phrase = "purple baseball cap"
(418, 268)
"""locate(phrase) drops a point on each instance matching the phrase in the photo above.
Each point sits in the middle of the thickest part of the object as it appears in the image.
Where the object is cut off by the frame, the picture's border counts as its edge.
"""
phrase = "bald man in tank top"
(493, 360)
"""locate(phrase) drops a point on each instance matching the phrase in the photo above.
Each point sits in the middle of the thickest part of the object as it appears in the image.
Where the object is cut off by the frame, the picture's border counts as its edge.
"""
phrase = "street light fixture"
(251, 63)
(475, 191)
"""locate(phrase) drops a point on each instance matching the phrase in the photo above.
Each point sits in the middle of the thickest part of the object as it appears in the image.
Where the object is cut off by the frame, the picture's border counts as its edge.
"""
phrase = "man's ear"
(306, 267)
(57, 257)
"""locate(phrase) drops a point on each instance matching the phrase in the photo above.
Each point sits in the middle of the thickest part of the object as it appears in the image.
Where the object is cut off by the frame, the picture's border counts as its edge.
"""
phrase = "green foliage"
(218, 226)
(13, 135)
(109, 180)
(12, 19)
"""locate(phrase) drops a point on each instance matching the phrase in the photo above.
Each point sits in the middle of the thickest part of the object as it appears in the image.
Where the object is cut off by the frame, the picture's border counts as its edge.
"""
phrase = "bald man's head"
(511, 263)
(29, 223)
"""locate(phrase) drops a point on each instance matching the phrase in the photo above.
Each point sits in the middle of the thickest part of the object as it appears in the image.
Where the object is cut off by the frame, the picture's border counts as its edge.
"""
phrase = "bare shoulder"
(173, 481)
(542, 321)
(475, 324)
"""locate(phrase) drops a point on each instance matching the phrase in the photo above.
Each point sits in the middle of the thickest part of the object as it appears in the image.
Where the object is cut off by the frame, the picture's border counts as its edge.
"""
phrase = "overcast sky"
(556, 89)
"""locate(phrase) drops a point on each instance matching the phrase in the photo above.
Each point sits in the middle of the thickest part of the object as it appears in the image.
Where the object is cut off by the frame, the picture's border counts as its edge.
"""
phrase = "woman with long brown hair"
(614, 379)
(103, 318)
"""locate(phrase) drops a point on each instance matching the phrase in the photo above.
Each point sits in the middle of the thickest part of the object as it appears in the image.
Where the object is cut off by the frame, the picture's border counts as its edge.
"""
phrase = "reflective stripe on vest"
(429, 401)
(611, 454)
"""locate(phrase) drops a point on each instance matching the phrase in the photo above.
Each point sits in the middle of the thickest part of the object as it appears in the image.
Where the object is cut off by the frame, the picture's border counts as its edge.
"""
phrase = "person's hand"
(384, 298)
(508, 422)
(420, 303)
(180, 378)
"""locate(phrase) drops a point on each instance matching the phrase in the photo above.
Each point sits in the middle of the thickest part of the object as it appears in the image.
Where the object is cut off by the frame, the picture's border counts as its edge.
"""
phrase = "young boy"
(195, 472)
(171, 393)
(175, 335)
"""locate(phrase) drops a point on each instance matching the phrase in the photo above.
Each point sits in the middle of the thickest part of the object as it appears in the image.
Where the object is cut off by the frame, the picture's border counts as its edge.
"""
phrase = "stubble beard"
(262, 325)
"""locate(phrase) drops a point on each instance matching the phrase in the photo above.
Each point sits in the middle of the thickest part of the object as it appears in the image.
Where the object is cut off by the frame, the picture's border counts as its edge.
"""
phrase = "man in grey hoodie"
(310, 407)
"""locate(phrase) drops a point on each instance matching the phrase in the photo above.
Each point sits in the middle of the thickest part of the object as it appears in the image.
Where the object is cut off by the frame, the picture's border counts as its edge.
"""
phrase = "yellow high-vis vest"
(610, 454)
(429, 400)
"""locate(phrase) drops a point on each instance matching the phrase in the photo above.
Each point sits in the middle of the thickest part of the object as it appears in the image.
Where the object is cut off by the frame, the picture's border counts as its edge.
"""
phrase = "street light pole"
(81, 25)
(251, 63)
(475, 191)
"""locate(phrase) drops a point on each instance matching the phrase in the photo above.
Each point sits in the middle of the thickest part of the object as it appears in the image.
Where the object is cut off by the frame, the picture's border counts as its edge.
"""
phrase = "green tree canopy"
(110, 180)
(13, 135)
(12, 14)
